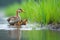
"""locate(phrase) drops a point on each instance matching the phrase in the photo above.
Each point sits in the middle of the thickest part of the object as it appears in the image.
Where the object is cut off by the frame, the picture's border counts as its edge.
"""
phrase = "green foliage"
(37, 11)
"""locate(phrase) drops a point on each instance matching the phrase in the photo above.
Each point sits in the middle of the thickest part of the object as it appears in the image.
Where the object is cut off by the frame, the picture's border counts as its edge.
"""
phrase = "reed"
(40, 11)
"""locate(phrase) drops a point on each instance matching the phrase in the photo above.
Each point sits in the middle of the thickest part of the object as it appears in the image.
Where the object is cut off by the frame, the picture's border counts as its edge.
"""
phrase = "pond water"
(7, 33)
(31, 35)
(27, 32)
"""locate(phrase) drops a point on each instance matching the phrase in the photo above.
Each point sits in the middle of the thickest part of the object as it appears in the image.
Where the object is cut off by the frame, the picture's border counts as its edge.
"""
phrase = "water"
(9, 33)
(32, 35)
(26, 33)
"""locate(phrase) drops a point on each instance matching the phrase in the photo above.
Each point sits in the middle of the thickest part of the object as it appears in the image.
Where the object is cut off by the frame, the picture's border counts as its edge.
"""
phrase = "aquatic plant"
(41, 11)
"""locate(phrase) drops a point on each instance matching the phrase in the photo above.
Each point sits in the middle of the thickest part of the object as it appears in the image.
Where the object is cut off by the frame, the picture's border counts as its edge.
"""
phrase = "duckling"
(22, 22)
(14, 19)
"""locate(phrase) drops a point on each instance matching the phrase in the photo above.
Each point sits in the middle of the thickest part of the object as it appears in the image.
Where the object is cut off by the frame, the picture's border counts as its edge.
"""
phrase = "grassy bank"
(37, 11)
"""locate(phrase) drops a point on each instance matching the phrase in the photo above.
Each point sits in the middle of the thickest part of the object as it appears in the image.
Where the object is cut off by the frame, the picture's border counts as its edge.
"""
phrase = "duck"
(15, 19)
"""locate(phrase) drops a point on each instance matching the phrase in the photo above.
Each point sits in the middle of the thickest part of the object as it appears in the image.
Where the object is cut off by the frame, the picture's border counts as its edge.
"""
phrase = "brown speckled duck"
(15, 19)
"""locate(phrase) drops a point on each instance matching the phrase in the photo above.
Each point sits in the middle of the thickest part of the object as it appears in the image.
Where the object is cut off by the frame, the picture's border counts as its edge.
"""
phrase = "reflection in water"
(14, 34)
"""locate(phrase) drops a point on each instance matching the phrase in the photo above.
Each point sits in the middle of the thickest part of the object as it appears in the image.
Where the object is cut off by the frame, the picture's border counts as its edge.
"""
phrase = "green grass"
(39, 11)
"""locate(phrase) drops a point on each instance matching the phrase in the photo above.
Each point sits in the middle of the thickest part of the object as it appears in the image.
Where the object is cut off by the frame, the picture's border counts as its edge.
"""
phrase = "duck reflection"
(16, 32)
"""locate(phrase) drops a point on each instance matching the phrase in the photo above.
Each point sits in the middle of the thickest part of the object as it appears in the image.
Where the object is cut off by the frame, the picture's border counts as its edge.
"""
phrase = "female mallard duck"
(15, 19)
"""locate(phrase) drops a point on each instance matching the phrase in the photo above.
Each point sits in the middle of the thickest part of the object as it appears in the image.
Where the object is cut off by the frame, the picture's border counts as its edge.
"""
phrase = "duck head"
(20, 10)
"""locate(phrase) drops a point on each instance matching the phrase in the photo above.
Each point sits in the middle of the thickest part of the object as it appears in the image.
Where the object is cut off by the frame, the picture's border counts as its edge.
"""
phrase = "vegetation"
(41, 11)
